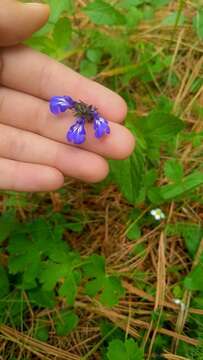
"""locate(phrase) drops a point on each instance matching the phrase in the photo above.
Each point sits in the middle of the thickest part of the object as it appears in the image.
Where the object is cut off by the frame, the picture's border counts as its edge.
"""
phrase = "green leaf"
(88, 68)
(171, 20)
(198, 23)
(128, 350)
(69, 289)
(41, 298)
(7, 225)
(193, 281)
(95, 266)
(158, 127)
(160, 3)
(173, 170)
(62, 33)
(172, 191)
(95, 270)
(112, 291)
(94, 286)
(191, 233)
(51, 273)
(128, 175)
(188, 183)
(65, 322)
(94, 55)
(128, 4)
(58, 7)
(102, 13)
(4, 282)
(41, 330)
(133, 232)
(134, 17)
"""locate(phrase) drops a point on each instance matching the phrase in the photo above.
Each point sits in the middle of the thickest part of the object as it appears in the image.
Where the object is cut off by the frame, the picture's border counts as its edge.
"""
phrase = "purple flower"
(60, 104)
(76, 133)
(101, 126)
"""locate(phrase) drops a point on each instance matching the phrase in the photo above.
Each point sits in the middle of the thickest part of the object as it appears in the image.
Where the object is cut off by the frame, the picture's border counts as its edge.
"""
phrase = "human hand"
(34, 153)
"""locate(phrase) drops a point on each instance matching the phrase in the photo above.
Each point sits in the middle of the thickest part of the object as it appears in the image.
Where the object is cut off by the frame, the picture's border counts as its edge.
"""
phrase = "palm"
(34, 153)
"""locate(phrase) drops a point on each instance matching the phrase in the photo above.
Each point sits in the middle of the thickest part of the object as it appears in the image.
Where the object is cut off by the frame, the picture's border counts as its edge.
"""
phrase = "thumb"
(18, 21)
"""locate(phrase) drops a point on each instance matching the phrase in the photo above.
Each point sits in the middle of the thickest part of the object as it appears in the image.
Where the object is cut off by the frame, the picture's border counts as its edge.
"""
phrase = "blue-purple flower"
(101, 126)
(76, 133)
(60, 104)
(83, 113)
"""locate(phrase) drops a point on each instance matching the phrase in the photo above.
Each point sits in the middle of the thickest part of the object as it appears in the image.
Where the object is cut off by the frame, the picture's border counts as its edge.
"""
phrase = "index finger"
(34, 73)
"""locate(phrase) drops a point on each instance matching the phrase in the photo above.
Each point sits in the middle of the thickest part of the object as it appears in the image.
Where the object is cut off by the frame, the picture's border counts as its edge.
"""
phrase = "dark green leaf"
(7, 225)
(65, 322)
(133, 232)
(4, 282)
(112, 291)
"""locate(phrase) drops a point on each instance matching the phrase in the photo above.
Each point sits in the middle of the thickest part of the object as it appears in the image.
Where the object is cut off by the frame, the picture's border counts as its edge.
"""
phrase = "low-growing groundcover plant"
(114, 271)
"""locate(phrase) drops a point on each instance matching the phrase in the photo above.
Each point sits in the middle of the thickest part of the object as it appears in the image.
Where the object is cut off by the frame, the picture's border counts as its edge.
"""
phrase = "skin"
(34, 154)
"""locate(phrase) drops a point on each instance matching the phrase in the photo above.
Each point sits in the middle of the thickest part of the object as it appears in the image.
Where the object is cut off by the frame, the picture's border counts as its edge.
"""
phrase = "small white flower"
(157, 214)
(180, 303)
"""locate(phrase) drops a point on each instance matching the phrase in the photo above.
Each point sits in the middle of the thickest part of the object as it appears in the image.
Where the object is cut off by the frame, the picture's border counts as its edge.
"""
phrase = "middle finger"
(32, 114)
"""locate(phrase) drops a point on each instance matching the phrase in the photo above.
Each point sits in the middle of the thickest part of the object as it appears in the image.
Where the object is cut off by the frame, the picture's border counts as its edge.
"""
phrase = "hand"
(34, 153)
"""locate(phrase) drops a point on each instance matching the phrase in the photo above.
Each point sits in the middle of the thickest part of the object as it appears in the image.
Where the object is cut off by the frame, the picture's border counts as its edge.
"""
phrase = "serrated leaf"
(112, 291)
(102, 13)
(65, 323)
(69, 289)
(95, 266)
(173, 170)
(51, 274)
(128, 350)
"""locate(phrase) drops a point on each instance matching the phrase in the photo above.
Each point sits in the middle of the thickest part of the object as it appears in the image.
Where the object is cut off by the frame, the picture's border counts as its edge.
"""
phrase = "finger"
(43, 77)
(27, 147)
(20, 176)
(118, 145)
(18, 21)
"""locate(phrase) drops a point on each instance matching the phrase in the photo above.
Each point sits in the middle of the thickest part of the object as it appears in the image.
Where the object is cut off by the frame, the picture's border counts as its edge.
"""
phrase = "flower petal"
(60, 104)
(77, 134)
(101, 126)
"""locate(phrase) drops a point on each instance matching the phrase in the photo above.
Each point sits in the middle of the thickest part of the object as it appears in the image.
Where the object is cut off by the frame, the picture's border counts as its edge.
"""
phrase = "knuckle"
(45, 77)
(40, 115)
(16, 146)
